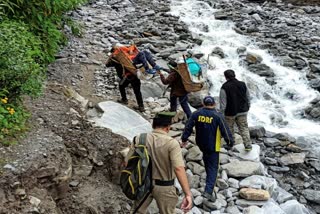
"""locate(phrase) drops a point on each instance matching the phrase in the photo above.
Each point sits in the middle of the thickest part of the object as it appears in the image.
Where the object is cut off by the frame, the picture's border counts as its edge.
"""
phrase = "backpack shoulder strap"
(143, 139)
(142, 142)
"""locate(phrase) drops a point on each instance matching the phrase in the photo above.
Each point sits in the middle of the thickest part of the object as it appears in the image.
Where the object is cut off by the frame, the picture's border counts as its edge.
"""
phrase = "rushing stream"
(278, 108)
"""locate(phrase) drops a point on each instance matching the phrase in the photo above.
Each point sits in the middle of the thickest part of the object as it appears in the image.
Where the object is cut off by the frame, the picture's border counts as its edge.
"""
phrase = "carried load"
(136, 62)
(192, 74)
(124, 56)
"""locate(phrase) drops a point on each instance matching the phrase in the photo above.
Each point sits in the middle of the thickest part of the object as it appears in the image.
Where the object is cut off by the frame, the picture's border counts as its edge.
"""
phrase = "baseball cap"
(208, 100)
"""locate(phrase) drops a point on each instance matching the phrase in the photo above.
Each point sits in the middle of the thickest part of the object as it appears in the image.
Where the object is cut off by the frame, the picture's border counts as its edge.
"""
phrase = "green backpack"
(136, 178)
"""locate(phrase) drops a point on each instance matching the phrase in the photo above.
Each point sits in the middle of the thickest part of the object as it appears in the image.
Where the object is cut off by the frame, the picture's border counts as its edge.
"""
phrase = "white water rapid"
(278, 107)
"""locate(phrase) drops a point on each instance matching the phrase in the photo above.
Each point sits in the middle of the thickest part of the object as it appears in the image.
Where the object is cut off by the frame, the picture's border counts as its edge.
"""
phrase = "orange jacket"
(130, 51)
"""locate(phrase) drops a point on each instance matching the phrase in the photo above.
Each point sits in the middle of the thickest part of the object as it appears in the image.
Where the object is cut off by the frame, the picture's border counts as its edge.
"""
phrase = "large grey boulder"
(315, 164)
(153, 208)
(253, 155)
(253, 58)
(233, 183)
(312, 195)
(294, 207)
(194, 154)
(243, 169)
(195, 98)
(257, 131)
(128, 123)
(315, 83)
(196, 168)
(315, 68)
(222, 184)
(246, 203)
(198, 200)
(253, 210)
(194, 180)
(282, 195)
(218, 51)
(217, 205)
(224, 158)
(284, 137)
(151, 88)
(271, 207)
(259, 182)
(195, 210)
(271, 142)
(315, 112)
(292, 158)
(233, 210)
(261, 70)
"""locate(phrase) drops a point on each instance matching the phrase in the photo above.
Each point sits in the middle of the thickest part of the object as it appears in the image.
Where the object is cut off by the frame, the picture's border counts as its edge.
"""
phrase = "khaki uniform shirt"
(165, 153)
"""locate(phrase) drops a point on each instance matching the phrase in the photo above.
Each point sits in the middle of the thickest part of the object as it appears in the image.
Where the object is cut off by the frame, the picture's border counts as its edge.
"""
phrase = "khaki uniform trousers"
(166, 198)
(242, 124)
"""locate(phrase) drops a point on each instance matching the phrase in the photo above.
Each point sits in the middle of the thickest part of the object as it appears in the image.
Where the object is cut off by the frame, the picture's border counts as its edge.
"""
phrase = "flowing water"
(279, 107)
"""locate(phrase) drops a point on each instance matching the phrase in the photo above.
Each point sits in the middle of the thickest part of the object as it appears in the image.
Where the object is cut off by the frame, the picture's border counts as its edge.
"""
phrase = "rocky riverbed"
(65, 165)
(288, 31)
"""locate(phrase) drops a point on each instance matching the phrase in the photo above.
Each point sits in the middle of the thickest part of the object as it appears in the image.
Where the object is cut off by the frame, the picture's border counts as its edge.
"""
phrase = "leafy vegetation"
(30, 35)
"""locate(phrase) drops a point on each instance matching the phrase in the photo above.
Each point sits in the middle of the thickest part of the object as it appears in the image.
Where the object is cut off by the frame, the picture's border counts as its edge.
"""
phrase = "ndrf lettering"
(205, 119)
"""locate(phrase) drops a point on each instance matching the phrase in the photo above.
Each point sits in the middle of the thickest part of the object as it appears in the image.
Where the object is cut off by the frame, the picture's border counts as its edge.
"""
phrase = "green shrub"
(12, 119)
(45, 18)
(20, 74)
(30, 36)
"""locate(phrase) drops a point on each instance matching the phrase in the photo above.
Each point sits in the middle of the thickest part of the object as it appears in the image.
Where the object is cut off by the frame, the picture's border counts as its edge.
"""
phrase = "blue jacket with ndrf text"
(210, 125)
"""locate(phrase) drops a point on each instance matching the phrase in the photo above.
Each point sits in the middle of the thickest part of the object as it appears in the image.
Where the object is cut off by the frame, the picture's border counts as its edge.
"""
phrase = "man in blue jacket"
(210, 125)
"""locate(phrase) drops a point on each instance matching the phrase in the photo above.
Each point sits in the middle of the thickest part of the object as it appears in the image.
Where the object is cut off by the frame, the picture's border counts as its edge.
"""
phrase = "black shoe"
(211, 197)
(125, 102)
(248, 148)
(139, 108)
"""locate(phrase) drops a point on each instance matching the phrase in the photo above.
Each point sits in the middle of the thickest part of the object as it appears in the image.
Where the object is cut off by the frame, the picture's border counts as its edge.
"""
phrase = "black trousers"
(136, 86)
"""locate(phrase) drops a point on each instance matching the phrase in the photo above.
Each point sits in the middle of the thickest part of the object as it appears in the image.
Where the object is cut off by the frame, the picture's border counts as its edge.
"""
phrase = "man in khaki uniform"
(167, 164)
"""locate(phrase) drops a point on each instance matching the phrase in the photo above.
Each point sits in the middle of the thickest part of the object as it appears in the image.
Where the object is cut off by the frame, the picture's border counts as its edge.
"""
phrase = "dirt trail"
(63, 164)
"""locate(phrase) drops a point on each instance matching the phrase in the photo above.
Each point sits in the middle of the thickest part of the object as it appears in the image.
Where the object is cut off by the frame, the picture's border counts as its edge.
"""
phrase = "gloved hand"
(227, 146)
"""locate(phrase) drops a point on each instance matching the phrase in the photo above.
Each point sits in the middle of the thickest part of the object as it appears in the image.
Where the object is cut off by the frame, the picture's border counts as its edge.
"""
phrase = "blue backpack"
(193, 66)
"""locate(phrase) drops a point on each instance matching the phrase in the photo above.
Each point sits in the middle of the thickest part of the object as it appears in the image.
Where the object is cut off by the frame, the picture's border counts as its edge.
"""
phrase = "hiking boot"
(139, 108)
(125, 102)
(157, 68)
(248, 148)
(151, 71)
(211, 197)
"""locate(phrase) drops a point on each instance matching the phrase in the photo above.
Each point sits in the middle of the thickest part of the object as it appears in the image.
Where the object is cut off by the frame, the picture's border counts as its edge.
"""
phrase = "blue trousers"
(144, 57)
(211, 164)
(183, 102)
